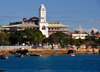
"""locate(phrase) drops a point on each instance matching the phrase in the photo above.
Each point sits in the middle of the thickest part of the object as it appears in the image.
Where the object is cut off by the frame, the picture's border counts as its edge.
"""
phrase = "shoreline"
(51, 51)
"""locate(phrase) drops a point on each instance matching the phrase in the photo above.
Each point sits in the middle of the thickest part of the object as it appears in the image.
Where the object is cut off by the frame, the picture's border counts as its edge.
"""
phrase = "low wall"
(52, 51)
(48, 51)
(29, 47)
(15, 47)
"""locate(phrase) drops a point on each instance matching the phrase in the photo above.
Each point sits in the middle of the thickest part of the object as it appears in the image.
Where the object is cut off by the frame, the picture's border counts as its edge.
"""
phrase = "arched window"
(43, 27)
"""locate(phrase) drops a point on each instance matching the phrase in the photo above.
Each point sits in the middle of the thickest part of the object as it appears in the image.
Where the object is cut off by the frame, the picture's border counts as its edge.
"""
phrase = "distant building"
(96, 36)
(81, 36)
(47, 28)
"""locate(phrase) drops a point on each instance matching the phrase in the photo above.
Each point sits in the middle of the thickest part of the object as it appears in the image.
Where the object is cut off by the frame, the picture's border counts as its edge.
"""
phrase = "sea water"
(51, 63)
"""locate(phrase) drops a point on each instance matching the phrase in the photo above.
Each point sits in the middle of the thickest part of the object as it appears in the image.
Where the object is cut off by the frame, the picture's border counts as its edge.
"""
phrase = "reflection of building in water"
(40, 23)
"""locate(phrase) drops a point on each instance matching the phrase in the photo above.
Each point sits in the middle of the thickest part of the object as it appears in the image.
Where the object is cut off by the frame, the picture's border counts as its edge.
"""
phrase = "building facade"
(81, 36)
(47, 28)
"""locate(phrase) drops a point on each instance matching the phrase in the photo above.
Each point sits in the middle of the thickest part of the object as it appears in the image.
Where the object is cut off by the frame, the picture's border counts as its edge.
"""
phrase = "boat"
(18, 55)
(35, 55)
(3, 57)
(71, 54)
(1, 69)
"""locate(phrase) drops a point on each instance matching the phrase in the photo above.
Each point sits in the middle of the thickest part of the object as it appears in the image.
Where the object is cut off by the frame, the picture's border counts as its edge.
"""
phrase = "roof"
(22, 25)
(70, 33)
(33, 19)
(95, 35)
(57, 25)
(15, 23)
(34, 25)
(42, 7)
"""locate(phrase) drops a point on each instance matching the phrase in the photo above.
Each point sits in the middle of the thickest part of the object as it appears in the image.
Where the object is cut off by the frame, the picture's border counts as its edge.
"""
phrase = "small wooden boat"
(1, 69)
(85, 59)
(35, 55)
(71, 54)
(18, 55)
(3, 57)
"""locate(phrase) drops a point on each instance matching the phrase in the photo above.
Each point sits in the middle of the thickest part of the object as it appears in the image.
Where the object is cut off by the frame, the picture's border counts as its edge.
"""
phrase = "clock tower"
(42, 20)
(42, 13)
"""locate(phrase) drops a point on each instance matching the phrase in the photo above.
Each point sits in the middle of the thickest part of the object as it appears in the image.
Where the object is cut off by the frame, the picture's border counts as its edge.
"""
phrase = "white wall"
(44, 32)
(77, 36)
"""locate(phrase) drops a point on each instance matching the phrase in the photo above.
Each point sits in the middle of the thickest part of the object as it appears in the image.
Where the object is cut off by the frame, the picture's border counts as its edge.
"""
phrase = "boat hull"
(35, 55)
(3, 57)
(18, 55)
(71, 54)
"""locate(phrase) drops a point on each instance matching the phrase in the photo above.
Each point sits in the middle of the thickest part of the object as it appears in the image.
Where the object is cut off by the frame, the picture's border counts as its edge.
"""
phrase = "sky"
(78, 14)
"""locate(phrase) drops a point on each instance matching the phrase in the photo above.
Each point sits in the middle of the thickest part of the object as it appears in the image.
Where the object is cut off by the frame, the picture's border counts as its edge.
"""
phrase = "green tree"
(33, 36)
(4, 31)
(37, 36)
(92, 32)
(53, 39)
(97, 32)
(72, 41)
(45, 41)
(77, 31)
(63, 38)
(4, 39)
(97, 42)
(15, 39)
(79, 42)
(88, 38)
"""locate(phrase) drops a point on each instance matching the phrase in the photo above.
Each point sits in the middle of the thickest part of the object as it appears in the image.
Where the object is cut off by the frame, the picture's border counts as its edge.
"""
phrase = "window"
(43, 28)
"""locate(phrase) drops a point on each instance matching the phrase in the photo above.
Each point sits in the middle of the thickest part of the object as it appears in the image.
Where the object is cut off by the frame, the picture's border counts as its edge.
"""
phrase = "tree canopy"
(53, 39)
(33, 36)
(63, 38)
(4, 39)
(92, 32)
(77, 31)
(97, 32)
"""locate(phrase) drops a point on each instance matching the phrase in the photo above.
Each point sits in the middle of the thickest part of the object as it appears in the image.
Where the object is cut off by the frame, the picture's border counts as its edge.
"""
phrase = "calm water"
(51, 63)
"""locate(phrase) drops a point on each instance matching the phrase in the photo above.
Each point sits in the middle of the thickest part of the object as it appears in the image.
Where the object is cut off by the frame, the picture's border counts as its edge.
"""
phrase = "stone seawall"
(52, 51)
(48, 51)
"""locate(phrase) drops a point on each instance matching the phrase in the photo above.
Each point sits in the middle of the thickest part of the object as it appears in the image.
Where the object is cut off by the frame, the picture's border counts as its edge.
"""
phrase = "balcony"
(14, 30)
(55, 30)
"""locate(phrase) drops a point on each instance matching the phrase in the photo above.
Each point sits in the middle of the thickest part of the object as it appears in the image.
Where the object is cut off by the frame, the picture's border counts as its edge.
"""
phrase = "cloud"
(87, 30)
(91, 21)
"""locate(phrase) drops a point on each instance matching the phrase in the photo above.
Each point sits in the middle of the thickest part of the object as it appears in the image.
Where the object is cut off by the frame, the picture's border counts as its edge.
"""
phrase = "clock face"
(43, 12)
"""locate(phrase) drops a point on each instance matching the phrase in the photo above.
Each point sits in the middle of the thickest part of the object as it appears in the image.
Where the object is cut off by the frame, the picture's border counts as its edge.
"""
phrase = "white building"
(40, 23)
(77, 36)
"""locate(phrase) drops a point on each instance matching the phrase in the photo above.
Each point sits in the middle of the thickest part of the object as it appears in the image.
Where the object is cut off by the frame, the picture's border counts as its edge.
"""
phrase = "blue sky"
(74, 13)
